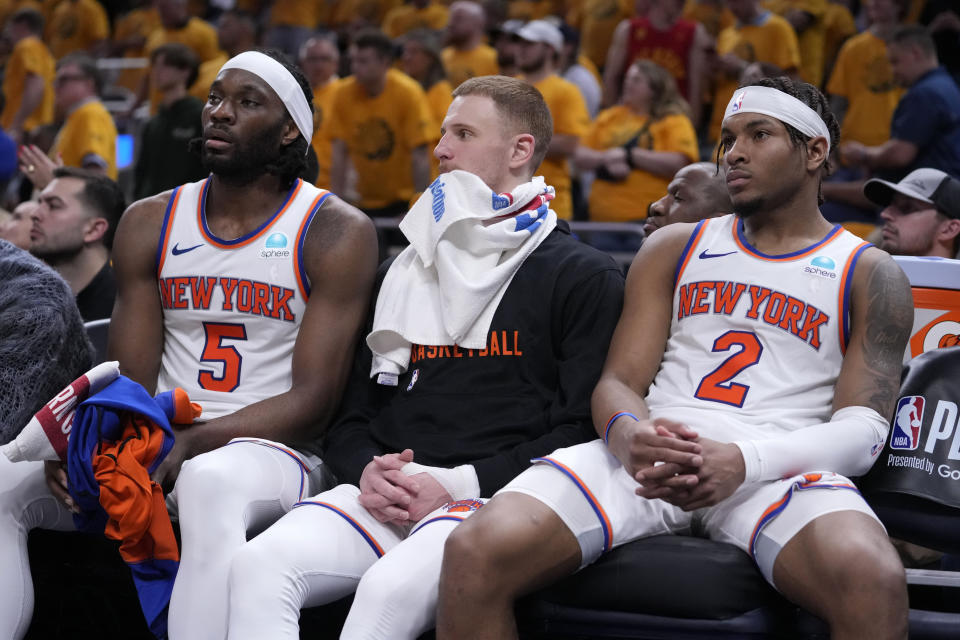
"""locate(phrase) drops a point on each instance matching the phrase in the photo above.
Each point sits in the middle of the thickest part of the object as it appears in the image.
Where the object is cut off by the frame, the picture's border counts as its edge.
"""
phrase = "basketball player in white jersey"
(247, 289)
(757, 359)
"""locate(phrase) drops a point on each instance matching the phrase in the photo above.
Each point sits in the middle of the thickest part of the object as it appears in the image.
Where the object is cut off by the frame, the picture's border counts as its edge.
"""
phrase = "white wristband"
(460, 482)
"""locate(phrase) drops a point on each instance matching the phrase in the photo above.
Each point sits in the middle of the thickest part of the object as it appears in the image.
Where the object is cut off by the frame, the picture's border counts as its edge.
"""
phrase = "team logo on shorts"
(275, 246)
(905, 434)
(462, 506)
(413, 379)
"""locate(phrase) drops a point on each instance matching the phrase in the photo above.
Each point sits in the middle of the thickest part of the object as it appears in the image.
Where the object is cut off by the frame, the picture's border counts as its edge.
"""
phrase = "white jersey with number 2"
(756, 341)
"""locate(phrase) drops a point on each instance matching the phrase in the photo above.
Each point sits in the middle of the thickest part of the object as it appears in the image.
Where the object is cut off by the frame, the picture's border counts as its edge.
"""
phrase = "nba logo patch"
(413, 379)
(905, 434)
(738, 103)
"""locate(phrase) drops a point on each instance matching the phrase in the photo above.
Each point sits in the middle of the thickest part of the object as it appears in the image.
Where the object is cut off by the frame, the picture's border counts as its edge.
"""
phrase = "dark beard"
(749, 207)
(249, 157)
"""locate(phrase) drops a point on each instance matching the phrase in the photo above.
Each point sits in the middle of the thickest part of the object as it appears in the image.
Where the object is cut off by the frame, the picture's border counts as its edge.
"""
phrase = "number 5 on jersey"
(214, 350)
(716, 386)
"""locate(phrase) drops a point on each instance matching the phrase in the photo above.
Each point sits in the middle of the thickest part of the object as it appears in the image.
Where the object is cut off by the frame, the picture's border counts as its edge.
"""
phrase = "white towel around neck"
(466, 244)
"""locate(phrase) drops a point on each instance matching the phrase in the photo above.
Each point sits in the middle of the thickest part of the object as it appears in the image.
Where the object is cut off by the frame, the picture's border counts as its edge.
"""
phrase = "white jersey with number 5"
(231, 308)
(756, 341)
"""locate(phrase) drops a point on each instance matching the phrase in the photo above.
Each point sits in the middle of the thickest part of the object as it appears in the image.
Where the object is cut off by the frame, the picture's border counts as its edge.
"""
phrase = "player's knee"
(868, 565)
(203, 481)
(484, 548)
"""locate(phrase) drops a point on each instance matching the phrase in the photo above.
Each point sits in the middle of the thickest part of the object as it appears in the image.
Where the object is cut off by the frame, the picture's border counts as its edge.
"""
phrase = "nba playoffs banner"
(922, 454)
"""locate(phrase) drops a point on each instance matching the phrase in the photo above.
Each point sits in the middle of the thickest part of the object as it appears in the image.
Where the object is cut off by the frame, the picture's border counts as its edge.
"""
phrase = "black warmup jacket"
(525, 395)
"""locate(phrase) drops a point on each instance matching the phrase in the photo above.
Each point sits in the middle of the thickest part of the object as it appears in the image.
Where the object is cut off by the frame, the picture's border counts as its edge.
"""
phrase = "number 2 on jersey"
(215, 351)
(716, 386)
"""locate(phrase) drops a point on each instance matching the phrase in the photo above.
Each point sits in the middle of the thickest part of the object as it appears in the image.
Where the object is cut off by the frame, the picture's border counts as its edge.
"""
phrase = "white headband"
(282, 82)
(776, 104)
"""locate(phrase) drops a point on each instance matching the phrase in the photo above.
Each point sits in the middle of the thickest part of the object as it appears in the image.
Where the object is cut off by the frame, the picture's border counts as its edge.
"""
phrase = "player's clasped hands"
(385, 491)
(717, 474)
(647, 445)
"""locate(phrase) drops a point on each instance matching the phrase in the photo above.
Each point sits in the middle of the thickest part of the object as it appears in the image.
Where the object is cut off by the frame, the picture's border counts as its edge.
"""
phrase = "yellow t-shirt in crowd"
(406, 18)
(196, 34)
(769, 39)
(812, 40)
(206, 74)
(380, 134)
(529, 9)
(439, 97)
(29, 56)
(138, 23)
(463, 65)
(712, 14)
(365, 11)
(596, 21)
(839, 25)
(76, 26)
(863, 76)
(89, 129)
(321, 143)
(628, 200)
(296, 13)
(570, 117)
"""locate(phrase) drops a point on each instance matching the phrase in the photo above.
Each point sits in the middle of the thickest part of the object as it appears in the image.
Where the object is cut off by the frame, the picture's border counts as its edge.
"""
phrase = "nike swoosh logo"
(177, 250)
(704, 255)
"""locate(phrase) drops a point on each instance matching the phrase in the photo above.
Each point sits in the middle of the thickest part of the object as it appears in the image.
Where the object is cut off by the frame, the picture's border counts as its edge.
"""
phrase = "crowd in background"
(636, 89)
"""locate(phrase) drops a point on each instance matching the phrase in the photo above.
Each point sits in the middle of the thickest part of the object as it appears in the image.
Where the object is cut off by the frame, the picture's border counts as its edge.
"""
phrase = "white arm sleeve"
(847, 445)
(460, 482)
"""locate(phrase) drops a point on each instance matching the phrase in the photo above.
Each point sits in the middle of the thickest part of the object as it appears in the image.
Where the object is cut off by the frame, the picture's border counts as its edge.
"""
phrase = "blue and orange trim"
(366, 535)
(303, 282)
(245, 239)
(165, 229)
(591, 499)
(688, 250)
(437, 519)
(811, 481)
(846, 286)
(303, 468)
(740, 238)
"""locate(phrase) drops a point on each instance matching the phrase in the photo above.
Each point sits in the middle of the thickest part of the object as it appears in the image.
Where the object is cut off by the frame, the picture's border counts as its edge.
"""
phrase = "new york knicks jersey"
(756, 341)
(231, 308)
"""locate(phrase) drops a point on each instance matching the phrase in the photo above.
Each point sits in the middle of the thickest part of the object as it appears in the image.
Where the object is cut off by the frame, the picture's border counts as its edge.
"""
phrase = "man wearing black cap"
(921, 215)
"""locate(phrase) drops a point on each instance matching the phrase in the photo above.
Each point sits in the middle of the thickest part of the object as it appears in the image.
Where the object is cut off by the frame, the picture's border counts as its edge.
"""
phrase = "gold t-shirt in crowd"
(712, 14)
(138, 23)
(614, 127)
(597, 20)
(406, 18)
(29, 56)
(863, 76)
(196, 34)
(812, 40)
(439, 97)
(206, 74)
(770, 39)
(322, 144)
(463, 65)
(570, 117)
(380, 134)
(76, 26)
(89, 129)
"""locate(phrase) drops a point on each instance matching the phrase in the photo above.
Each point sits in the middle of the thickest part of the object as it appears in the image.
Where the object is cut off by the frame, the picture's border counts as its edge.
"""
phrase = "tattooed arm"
(880, 323)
